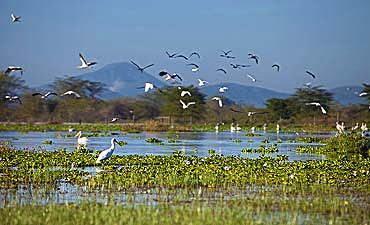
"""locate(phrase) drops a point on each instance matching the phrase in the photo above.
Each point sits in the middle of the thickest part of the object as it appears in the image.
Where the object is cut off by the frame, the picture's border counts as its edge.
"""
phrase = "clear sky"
(331, 38)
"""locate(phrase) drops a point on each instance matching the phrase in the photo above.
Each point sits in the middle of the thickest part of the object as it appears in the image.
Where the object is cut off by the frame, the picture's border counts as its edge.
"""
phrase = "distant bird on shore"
(11, 69)
(222, 70)
(15, 18)
(171, 55)
(223, 89)
(252, 78)
(318, 105)
(186, 105)
(141, 69)
(194, 67)
(311, 74)
(13, 98)
(254, 57)
(44, 96)
(85, 64)
(106, 154)
(182, 56)
(71, 93)
(219, 100)
(183, 93)
(194, 53)
(277, 67)
(202, 82)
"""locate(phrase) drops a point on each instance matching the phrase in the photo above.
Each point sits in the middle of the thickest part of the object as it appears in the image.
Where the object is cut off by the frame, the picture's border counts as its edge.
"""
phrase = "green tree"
(279, 108)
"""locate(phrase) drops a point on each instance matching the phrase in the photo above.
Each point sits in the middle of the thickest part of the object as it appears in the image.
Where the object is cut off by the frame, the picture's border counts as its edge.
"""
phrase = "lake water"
(192, 143)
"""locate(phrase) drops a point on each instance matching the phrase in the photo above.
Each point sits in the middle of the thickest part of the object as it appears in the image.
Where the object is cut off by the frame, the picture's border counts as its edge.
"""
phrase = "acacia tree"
(279, 108)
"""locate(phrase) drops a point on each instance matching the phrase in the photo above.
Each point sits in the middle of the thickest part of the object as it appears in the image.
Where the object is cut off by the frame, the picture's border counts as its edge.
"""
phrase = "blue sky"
(331, 38)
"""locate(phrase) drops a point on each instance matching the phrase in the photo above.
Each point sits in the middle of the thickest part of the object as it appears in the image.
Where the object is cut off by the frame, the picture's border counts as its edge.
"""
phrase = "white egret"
(71, 93)
(183, 93)
(106, 154)
(318, 105)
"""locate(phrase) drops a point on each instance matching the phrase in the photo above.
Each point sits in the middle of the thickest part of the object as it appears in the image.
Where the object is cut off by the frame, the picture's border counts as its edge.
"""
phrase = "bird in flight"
(252, 78)
(141, 69)
(219, 101)
(186, 105)
(277, 67)
(85, 64)
(223, 89)
(114, 119)
(182, 56)
(237, 66)
(226, 55)
(362, 94)
(318, 105)
(194, 53)
(71, 93)
(171, 55)
(194, 67)
(255, 57)
(202, 82)
(311, 74)
(149, 86)
(222, 70)
(172, 77)
(11, 69)
(44, 96)
(183, 93)
(248, 113)
(15, 18)
(11, 98)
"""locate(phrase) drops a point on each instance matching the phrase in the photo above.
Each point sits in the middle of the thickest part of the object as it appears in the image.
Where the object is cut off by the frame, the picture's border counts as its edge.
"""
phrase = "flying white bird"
(223, 89)
(45, 96)
(183, 93)
(252, 78)
(71, 93)
(363, 94)
(219, 100)
(114, 119)
(194, 67)
(106, 154)
(85, 64)
(149, 86)
(10, 98)
(318, 105)
(15, 18)
(185, 106)
(202, 82)
(11, 69)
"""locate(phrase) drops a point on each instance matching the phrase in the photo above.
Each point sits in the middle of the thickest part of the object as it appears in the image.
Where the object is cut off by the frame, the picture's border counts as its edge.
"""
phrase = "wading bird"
(106, 154)
(11, 69)
(71, 93)
(44, 96)
(318, 105)
(85, 64)
(141, 69)
(186, 105)
(15, 18)
(81, 141)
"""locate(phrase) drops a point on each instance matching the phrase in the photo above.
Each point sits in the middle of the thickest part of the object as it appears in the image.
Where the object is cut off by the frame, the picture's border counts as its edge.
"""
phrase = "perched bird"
(183, 93)
(194, 67)
(85, 64)
(13, 98)
(311, 74)
(44, 96)
(171, 55)
(141, 69)
(185, 106)
(11, 69)
(81, 141)
(15, 18)
(340, 127)
(355, 127)
(222, 70)
(223, 89)
(194, 53)
(252, 78)
(202, 82)
(277, 67)
(106, 154)
(255, 57)
(149, 86)
(71, 93)
(318, 105)
(181, 56)
(219, 100)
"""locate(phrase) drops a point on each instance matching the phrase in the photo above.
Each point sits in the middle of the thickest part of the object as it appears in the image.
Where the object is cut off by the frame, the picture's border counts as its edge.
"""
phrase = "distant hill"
(246, 95)
(348, 95)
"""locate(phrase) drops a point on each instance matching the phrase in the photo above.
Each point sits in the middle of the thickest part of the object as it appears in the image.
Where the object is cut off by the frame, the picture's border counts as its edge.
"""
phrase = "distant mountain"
(121, 79)
(245, 95)
(348, 95)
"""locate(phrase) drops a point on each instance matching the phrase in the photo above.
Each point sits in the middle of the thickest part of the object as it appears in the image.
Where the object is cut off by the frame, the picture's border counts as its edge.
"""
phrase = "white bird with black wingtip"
(318, 105)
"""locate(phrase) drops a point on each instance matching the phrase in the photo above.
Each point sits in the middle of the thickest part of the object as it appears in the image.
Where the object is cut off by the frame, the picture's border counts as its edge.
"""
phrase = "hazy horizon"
(329, 38)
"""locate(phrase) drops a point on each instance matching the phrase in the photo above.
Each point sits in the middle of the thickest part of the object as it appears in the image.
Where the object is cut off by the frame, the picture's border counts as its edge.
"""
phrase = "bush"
(347, 144)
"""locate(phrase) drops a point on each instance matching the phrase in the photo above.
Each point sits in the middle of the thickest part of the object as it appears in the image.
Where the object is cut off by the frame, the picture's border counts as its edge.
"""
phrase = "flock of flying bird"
(175, 78)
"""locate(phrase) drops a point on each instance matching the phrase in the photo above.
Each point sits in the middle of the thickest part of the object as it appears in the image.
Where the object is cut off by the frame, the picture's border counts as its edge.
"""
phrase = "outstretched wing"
(136, 65)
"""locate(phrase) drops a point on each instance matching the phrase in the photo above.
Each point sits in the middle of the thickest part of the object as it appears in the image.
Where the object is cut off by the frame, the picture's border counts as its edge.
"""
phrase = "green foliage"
(153, 140)
(47, 142)
(279, 108)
